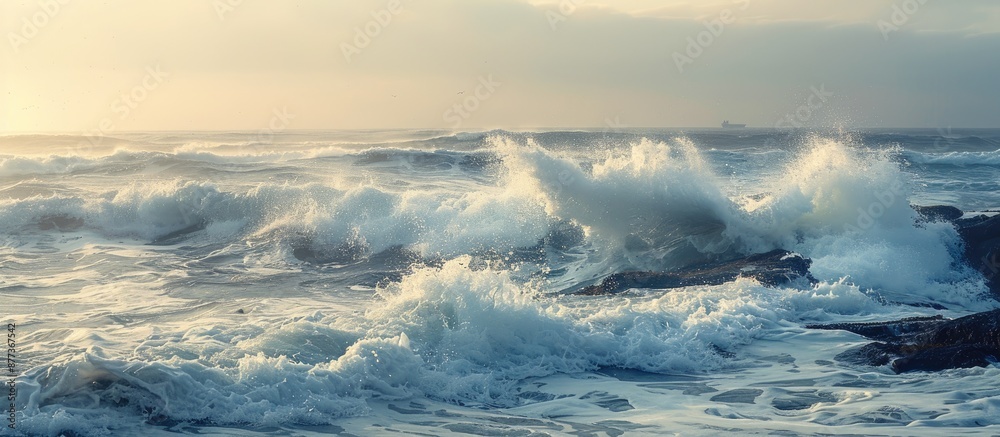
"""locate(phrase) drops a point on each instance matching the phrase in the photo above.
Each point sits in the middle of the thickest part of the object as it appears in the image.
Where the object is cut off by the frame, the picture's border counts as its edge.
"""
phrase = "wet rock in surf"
(935, 213)
(926, 344)
(773, 268)
(981, 235)
(982, 247)
(935, 343)
(885, 331)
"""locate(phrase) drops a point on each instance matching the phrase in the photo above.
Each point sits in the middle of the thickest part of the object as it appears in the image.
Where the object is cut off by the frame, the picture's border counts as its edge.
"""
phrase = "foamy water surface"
(374, 282)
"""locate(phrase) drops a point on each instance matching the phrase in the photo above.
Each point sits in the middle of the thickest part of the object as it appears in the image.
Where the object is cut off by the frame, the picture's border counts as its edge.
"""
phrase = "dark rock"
(982, 248)
(871, 354)
(981, 235)
(928, 343)
(884, 331)
(971, 221)
(934, 343)
(980, 328)
(938, 213)
(773, 268)
(947, 357)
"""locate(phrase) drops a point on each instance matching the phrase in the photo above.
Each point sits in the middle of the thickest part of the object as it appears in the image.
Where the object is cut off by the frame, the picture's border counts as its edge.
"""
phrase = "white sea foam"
(222, 328)
(960, 159)
(450, 333)
(841, 205)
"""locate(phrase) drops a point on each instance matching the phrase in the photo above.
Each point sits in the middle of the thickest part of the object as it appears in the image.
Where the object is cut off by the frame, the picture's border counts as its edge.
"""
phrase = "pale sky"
(127, 65)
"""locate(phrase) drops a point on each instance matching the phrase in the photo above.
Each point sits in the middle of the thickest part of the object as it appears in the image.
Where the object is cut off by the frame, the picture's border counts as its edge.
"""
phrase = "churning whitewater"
(425, 282)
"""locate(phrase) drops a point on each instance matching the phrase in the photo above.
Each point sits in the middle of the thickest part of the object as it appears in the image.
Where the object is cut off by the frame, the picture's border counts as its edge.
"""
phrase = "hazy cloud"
(602, 60)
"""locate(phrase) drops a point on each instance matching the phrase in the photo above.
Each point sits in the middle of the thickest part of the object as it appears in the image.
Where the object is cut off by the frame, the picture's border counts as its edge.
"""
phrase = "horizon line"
(489, 129)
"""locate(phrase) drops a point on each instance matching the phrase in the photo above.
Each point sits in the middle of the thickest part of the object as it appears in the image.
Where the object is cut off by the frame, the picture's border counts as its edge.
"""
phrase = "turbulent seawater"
(384, 282)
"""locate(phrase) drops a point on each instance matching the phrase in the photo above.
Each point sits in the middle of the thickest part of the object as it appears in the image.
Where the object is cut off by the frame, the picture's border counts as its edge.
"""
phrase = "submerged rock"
(179, 235)
(60, 223)
(928, 343)
(773, 268)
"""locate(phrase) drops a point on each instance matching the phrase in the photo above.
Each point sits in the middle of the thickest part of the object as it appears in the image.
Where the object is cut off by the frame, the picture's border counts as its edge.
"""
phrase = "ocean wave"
(119, 161)
(365, 220)
(409, 154)
(958, 159)
(60, 144)
(842, 205)
(934, 140)
(650, 205)
(464, 322)
(453, 333)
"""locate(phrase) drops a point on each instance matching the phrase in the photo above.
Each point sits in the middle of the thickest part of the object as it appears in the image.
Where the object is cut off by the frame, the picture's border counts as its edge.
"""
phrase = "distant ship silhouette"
(726, 125)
